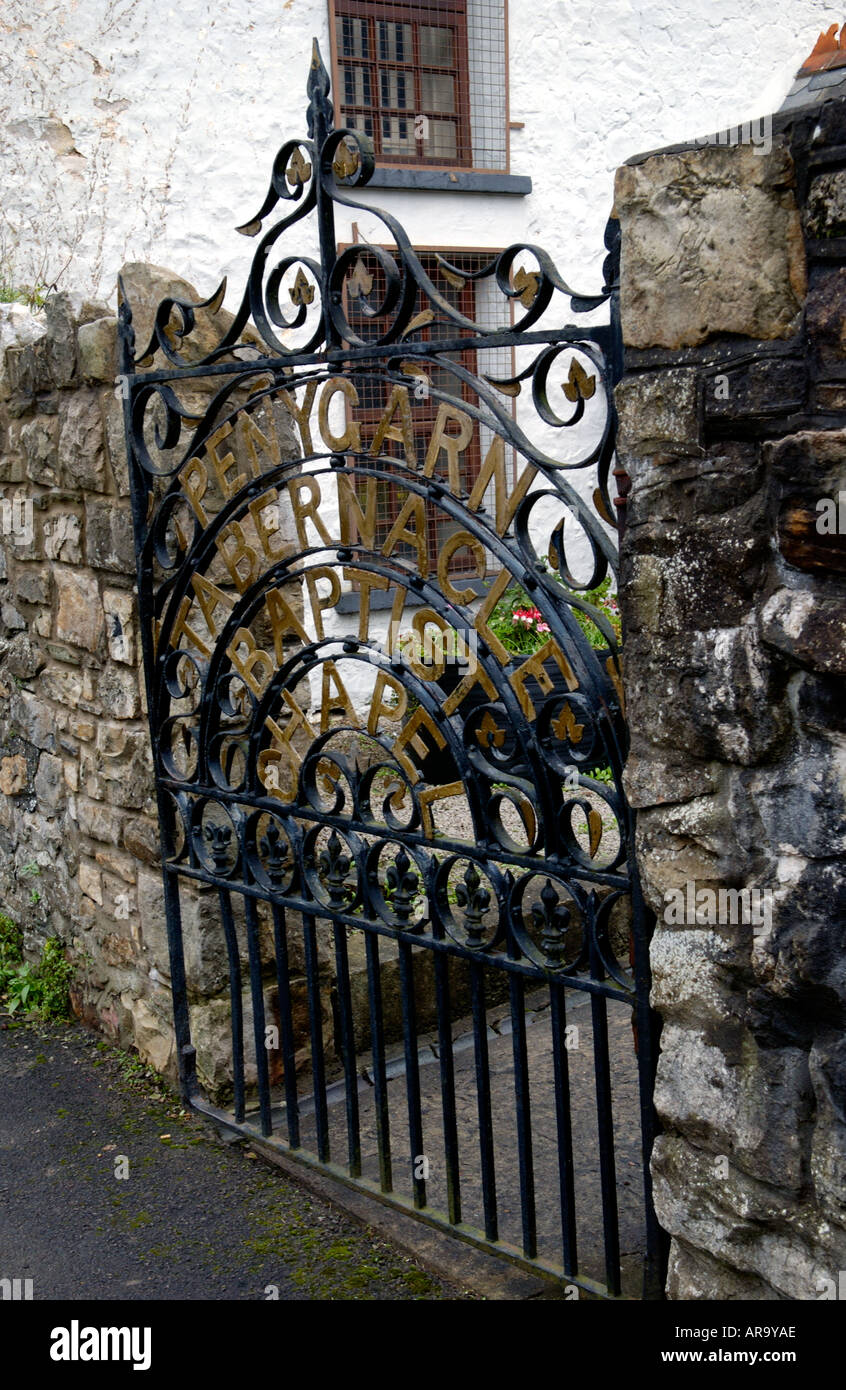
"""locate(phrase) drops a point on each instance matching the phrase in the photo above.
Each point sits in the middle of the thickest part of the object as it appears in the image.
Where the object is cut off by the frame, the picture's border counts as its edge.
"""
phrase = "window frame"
(398, 12)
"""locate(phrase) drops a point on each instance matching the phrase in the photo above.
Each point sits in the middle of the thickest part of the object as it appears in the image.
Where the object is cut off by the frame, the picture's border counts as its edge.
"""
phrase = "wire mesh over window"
(426, 82)
(477, 301)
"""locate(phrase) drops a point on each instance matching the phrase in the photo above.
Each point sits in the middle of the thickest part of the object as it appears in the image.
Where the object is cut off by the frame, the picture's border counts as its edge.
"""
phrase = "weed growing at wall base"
(41, 989)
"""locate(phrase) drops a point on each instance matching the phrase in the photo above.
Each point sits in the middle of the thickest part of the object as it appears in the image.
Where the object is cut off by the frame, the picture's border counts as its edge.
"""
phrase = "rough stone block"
(90, 883)
(711, 243)
(109, 539)
(825, 207)
(97, 345)
(81, 446)
(39, 445)
(49, 783)
(659, 415)
(79, 615)
(32, 585)
(807, 627)
(13, 774)
(60, 318)
(118, 692)
(24, 658)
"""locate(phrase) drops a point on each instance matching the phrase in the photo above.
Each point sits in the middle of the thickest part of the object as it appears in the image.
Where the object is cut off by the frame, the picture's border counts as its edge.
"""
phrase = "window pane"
(359, 122)
(352, 37)
(397, 135)
(437, 91)
(395, 42)
(356, 82)
(436, 46)
(442, 140)
(396, 89)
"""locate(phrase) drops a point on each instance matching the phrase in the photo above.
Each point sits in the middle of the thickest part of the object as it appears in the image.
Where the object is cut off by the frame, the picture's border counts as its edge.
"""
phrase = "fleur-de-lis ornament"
(475, 900)
(489, 734)
(551, 918)
(566, 727)
(275, 852)
(402, 882)
(335, 865)
(218, 837)
(301, 292)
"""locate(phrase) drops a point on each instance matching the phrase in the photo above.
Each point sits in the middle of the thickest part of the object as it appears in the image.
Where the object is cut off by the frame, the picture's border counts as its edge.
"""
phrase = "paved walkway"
(583, 1115)
(193, 1220)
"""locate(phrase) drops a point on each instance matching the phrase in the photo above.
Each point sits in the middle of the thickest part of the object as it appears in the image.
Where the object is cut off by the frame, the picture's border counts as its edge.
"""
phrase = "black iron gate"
(382, 663)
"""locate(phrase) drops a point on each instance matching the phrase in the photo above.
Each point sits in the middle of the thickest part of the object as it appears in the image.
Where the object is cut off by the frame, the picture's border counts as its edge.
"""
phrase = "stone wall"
(79, 837)
(733, 428)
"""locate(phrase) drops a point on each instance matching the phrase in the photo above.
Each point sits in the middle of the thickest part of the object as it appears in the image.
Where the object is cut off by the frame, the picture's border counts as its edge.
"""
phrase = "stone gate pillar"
(733, 429)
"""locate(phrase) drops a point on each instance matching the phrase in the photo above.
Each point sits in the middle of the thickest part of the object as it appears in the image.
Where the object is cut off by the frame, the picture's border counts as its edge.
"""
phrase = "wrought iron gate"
(388, 725)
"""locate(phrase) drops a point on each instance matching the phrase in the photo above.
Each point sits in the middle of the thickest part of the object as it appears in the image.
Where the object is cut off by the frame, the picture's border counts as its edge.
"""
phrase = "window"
(475, 300)
(426, 82)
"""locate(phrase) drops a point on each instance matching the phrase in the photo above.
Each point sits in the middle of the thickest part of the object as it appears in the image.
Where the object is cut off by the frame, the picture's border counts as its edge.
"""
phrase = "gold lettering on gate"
(320, 605)
(357, 524)
(255, 659)
(307, 510)
(411, 510)
(458, 541)
(452, 444)
(402, 433)
(351, 438)
(379, 707)
(340, 700)
(506, 500)
(302, 414)
(534, 666)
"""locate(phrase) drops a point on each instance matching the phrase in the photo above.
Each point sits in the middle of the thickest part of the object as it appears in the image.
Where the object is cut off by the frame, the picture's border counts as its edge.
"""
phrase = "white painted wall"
(134, 131)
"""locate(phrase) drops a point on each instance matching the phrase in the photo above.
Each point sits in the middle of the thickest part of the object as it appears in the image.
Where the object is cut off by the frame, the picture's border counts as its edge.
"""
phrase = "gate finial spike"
(317, 86)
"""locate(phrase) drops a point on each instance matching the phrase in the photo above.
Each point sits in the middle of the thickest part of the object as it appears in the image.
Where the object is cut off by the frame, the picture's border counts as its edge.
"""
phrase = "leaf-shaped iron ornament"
(579, 386)
(301, 291)
(299, 169)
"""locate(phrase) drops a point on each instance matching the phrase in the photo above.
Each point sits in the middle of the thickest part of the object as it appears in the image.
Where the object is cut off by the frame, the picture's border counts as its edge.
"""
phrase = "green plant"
(521, 628)
(33, 869)
(33, 296)
(11, 944)
(41, 988)
(54, 977)
(20, 984)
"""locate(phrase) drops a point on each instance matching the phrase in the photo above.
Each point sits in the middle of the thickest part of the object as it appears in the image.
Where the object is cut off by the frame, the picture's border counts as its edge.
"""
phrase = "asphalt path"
(108, 1191)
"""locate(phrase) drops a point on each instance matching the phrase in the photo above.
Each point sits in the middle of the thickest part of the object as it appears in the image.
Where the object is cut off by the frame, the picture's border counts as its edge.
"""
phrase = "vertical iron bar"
(377, 1048)
(320, 126)
(524, 1116)
(483, 1095)
(257, 994)
(342, 984)
(286, 1024)
(563, 1118)
(178, 984)
(412, 1070)
(315, 1017)
(234, 956)
(604, 1114)
(448, 1086)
